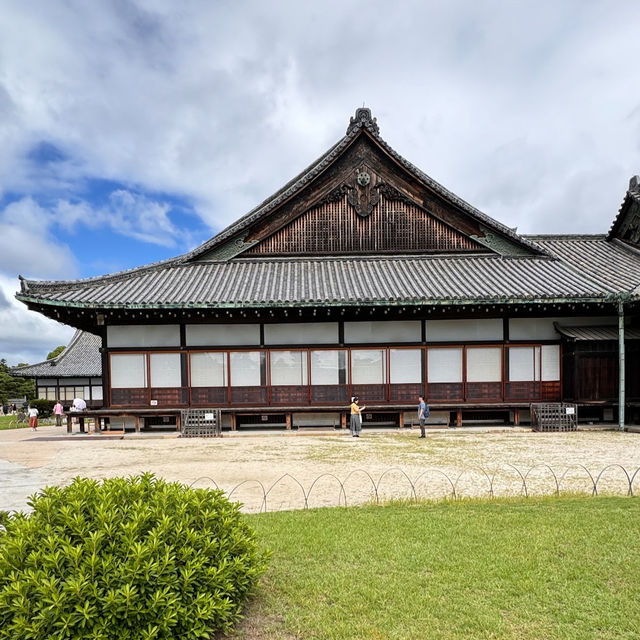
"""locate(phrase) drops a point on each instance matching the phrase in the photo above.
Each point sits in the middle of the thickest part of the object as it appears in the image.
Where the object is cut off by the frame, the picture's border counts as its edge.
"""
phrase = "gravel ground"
(293, 470)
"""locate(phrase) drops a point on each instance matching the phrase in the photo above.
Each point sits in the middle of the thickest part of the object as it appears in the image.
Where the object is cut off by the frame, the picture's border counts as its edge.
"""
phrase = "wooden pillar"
(137, 419)
(233, 422)
(459, 418)
(401, 420)
(69, 423)
(516, 417)
(287, 417)
(343, 420)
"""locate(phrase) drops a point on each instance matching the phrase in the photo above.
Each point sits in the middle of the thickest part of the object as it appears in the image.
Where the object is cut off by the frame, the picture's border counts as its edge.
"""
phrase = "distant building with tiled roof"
(74, 373)
(364, 276)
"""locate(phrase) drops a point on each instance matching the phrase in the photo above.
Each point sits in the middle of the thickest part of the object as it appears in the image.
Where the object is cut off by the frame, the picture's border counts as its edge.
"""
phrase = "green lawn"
(521, 569)
(9, 422)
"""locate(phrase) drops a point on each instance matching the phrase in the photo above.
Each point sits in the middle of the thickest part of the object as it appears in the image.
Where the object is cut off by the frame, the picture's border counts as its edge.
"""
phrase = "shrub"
(44, 407)
(129, 558)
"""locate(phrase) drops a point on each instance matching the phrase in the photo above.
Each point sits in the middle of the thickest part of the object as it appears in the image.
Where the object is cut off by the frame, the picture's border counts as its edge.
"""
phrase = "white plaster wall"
(301, 333)
(464, 330)
(135, 336)
(543, 329)
(204, 335)
(380, 331)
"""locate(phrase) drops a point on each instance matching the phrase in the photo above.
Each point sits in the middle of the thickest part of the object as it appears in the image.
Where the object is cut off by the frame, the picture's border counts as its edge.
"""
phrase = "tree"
(56, 352)
(12, 387)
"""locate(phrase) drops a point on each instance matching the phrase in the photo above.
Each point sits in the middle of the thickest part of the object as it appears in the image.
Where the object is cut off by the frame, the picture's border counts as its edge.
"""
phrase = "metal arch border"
(442, 473)
(366, 473)
(278, 481)
(484, 473)
(594, 489)
(615, 466)
(553, 473)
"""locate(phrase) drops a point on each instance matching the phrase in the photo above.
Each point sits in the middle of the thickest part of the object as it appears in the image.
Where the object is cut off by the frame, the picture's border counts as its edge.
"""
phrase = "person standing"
(356, 418)
(423, 414)
(79, 405)
(33, 418)
(58, 410)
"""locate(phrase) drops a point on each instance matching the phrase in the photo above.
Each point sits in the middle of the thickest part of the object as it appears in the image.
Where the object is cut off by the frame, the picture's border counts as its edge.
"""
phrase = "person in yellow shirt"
(356, 418)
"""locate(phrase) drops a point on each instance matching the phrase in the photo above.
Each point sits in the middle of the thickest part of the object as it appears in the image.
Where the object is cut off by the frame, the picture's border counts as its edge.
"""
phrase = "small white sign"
(570, 411)
(208, 416)
(154, 403)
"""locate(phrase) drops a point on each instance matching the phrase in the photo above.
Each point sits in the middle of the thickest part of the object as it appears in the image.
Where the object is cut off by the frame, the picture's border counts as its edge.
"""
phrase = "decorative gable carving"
(361, 193)
(393, 224)
(362, 197)
(626, 226)
(630, 228)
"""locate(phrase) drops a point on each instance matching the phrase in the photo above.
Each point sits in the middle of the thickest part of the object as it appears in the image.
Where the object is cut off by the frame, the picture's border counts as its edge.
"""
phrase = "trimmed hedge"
(44, 407)
(129, 558)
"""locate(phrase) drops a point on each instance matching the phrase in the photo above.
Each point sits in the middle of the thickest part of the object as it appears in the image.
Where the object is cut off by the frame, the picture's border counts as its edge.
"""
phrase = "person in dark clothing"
(423, 414)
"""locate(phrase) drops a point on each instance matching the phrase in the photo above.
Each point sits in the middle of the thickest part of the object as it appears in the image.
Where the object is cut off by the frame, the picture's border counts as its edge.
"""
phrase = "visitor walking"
(33, 418)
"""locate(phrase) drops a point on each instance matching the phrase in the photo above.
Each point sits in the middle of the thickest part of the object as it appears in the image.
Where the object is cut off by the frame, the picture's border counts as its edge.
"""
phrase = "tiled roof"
(560, 267)
(363, 122)
(610, 263)
(81, 358)
(597, 333)
(584, 267)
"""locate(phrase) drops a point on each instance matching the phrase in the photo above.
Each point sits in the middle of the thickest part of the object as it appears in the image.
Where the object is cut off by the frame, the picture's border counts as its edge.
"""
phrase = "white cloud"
(225, 102)
(26, 336)
(529, 111)
(29, 247)
(126, 213)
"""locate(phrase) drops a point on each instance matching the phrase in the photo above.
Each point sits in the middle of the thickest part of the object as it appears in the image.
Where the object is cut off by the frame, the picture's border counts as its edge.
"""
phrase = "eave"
(306, 304)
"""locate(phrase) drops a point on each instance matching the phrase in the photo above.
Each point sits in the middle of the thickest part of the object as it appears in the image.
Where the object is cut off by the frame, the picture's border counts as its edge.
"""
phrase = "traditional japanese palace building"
(364, 276)
(75, 373)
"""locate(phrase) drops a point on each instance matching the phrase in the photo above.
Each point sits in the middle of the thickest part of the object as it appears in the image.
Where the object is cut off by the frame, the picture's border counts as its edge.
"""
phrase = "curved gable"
(363, 197)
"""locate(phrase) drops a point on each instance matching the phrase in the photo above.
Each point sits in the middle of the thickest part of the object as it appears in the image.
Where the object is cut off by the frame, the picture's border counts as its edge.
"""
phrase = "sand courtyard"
(277, 470)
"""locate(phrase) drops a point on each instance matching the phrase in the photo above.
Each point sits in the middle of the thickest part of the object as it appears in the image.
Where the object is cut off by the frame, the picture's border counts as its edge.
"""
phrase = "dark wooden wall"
(591, 371)
(392, 227)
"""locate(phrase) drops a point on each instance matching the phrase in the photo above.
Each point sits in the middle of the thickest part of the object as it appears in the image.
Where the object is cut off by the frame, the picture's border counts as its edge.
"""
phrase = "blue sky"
(132, 131)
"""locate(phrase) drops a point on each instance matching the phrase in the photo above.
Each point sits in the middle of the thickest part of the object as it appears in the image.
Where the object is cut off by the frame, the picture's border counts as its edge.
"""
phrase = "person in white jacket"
(33, 418)
(79, 405)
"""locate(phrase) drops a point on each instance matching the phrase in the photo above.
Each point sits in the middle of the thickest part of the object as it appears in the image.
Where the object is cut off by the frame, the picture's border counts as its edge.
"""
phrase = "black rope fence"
(359, 486)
